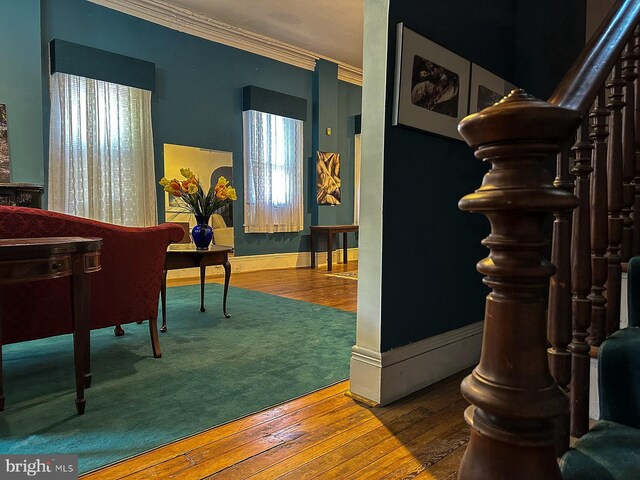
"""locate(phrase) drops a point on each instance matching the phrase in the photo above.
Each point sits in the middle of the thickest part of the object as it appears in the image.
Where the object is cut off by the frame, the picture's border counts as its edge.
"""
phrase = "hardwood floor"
(314, 286)
(323, 435)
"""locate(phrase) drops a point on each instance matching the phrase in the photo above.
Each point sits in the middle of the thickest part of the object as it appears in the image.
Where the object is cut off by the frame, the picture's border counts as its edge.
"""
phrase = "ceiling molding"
(349, 73)
(186, 21)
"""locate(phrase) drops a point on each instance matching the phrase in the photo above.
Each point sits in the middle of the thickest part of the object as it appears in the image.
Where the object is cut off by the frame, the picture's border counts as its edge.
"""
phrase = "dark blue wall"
(547, 44)
(430, 248)
(20, 87)
(198, 97)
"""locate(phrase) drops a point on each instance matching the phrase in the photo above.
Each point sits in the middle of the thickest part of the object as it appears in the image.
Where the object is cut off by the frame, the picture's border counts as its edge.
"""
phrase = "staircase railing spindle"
(636, 180)
(599, 220)
(581, 286)
(559, 315)
(614, 196)
(628, 151)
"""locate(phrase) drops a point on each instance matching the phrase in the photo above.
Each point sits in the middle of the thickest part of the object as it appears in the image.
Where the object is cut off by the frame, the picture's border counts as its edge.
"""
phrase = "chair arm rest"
(619, 377)
(633, 291)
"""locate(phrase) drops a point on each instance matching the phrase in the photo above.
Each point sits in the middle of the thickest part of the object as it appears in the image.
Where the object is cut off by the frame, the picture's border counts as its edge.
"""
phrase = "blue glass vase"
(202, 233)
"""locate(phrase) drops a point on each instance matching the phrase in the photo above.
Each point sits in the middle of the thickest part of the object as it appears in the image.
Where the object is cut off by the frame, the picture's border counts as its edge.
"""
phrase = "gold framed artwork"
(328, 178)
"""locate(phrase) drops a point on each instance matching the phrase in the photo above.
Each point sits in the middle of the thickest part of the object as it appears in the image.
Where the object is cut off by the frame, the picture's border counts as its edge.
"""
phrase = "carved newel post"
(514, 398)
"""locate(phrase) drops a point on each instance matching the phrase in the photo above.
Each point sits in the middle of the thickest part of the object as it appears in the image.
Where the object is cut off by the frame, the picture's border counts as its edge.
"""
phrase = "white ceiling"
(330, 28)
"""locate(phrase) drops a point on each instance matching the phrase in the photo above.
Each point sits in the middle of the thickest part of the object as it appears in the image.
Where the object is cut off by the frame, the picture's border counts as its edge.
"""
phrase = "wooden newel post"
(515, 401)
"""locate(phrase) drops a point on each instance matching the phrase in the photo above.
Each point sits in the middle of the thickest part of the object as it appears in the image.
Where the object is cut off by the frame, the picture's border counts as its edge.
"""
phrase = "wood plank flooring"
(323, 435)
(314, 286)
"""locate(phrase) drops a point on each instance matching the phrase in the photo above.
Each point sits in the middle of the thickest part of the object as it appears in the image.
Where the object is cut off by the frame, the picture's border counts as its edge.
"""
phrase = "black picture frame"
(431, 87)
(486, 89)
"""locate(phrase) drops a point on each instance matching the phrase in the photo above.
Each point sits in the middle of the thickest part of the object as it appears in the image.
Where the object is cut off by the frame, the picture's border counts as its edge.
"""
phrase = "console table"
(31, 259)
(329, 230)
(187, 256)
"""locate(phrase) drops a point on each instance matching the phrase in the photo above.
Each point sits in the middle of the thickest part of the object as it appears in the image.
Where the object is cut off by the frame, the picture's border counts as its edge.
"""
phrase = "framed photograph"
(486, 89)
(431, 90)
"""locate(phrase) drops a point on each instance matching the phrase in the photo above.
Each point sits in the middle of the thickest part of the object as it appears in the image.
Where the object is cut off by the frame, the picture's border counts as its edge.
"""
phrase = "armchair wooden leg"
(155, 341)
(118, 331)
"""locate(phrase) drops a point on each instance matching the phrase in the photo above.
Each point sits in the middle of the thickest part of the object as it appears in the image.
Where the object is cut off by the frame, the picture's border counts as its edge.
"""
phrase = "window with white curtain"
(101, 151)
(272, 173)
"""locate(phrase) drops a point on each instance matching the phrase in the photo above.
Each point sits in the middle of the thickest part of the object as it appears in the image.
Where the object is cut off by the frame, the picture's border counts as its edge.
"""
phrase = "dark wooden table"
(187, 256)
(30, 259)
(329, 230)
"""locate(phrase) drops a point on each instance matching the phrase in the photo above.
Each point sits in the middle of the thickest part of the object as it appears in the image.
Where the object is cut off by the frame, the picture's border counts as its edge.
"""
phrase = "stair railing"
(531, 387)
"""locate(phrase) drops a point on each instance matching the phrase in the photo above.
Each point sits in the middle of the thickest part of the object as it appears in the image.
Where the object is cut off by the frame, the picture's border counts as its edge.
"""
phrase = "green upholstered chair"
(611, 450)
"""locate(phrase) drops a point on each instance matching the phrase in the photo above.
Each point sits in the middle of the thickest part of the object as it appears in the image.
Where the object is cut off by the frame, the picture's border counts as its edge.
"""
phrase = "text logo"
(49, 467)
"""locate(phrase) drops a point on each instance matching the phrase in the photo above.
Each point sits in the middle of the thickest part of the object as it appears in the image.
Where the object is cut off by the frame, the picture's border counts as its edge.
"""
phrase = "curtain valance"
(88, 62)
(276, 103)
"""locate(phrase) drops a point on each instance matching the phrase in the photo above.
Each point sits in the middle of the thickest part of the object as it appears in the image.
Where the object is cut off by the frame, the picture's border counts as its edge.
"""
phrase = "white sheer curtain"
(272, 173)
(101, 151)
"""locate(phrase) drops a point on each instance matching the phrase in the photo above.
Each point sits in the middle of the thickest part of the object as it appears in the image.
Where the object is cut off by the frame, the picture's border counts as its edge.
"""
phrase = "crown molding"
(186, 21)
(349, 73)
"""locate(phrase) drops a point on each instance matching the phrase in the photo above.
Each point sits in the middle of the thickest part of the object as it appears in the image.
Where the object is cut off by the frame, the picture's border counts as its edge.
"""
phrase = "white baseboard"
(594, 398)
(385, 377)
(252, 263)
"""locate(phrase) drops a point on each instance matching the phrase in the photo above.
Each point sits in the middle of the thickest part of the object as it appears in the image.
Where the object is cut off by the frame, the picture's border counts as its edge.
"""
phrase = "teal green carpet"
(213, 370)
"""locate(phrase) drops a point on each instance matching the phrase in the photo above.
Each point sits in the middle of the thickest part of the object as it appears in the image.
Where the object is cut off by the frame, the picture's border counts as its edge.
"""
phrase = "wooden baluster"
(599, 230)
(628, 151)
(514, 398)
(614, 200)
(636, 180)
(559, 316)
(581, 286)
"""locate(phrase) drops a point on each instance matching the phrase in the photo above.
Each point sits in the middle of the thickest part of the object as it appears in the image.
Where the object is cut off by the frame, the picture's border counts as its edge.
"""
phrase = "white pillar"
(365, 358)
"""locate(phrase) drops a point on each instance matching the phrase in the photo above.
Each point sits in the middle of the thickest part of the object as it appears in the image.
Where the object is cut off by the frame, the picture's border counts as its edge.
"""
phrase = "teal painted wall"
(430, 248)
(198, 97)
(349, 106)
(20, 87)
(337, 105)
(325, 94)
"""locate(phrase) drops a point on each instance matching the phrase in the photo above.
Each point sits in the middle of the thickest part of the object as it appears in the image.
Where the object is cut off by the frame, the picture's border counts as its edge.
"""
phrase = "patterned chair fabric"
(125, 290)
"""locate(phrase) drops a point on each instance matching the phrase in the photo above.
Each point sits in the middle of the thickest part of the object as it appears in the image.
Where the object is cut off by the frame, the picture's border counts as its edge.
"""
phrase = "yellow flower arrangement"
(192, 198)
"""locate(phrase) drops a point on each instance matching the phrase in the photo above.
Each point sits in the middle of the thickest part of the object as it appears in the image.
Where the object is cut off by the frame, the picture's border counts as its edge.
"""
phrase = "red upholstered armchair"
(125, 290)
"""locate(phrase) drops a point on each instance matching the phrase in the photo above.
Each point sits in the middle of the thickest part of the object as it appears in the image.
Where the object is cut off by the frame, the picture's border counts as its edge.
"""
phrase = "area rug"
(213, 370)
(349, 275)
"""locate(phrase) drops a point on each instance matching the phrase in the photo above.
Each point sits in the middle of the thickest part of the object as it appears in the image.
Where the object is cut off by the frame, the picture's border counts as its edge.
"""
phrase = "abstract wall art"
(328, 178)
